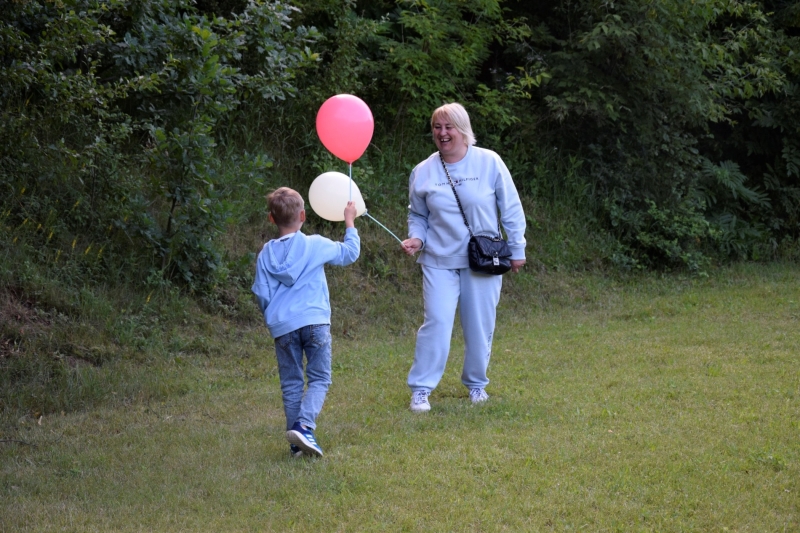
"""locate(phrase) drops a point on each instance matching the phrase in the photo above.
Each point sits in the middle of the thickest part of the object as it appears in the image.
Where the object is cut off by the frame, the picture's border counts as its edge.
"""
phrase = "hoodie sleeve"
(417, 212)
(511, 214)
(260, 284)
(345, 253)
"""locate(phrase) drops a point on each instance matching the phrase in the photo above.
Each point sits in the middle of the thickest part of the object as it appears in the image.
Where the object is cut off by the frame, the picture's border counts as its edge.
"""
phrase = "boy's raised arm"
(350, 215)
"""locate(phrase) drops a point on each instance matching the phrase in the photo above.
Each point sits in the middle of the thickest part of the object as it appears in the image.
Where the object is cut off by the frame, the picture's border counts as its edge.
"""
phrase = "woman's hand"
(516, 264)
(412, 246)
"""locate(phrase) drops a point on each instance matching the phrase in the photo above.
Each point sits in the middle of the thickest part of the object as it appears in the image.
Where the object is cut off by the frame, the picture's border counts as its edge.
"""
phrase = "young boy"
(292, 292)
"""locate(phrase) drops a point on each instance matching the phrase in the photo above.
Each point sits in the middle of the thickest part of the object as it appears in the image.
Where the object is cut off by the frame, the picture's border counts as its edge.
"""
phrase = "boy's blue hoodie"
(290, 284)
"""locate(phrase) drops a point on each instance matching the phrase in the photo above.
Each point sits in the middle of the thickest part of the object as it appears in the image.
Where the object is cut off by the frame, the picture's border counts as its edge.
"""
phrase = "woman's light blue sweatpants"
(476, 296)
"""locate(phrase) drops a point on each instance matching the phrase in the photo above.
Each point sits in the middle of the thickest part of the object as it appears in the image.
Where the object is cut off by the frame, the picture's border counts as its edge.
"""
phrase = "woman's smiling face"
(449, 140)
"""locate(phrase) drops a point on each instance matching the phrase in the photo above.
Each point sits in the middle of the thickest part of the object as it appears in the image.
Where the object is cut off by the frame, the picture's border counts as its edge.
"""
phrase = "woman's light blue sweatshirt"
(484, 186)
(290, 284)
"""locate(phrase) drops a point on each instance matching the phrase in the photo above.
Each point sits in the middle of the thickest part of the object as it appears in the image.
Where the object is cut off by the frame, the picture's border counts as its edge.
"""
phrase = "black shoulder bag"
(487, 254)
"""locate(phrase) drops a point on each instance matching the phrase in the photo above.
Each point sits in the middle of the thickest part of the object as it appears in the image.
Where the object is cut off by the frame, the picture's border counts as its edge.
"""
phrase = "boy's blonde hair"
(284, 205)
(458, 117)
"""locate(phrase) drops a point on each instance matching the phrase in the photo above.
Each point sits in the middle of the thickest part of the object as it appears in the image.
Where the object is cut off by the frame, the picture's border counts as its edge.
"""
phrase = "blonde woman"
(436, 231)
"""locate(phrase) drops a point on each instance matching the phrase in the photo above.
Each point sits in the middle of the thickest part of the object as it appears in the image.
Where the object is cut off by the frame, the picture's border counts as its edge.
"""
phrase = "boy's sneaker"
(419, 401)
(304, 439)
(295, 451)
(478, 396)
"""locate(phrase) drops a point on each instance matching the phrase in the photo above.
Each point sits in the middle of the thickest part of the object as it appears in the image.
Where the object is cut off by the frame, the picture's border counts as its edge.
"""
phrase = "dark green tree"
(637, 89)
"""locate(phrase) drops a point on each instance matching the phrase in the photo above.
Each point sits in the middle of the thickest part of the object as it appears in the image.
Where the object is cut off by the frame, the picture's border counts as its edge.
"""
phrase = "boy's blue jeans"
(315, 341)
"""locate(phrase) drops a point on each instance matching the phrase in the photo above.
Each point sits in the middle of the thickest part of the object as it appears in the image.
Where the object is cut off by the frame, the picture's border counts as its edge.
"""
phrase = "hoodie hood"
(284, 257)
(290, 285)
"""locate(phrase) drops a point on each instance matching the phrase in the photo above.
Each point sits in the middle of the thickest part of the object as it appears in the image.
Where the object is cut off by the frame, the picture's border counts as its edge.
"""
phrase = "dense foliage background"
(135, 134)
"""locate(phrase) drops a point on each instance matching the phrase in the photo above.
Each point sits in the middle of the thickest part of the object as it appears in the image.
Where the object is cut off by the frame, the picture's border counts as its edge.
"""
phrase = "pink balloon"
(345, 126)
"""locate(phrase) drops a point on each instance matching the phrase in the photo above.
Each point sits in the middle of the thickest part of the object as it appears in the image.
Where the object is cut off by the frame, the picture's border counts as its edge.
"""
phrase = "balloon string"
(384, 227)
(351, 182)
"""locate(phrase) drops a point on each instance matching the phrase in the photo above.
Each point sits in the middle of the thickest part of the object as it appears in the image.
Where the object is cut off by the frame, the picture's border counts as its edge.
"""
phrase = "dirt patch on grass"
(19, 318)
(19, 309)
(24, 327)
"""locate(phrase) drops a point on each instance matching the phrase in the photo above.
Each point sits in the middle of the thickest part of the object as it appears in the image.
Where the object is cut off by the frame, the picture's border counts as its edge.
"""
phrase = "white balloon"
(329, 194)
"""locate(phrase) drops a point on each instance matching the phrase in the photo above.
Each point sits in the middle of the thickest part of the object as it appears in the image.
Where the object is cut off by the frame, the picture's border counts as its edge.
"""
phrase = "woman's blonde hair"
(285, 205)
(458, 117)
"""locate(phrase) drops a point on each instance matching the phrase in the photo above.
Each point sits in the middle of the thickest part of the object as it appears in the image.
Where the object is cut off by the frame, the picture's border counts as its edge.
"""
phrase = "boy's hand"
(350, 214)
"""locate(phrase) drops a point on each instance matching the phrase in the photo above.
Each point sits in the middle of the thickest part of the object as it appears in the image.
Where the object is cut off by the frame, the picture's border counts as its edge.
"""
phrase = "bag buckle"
(496, 261)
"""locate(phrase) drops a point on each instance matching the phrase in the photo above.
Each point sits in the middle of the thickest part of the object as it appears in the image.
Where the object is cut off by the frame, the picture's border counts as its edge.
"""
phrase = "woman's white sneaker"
(478, 395)
(419, 401)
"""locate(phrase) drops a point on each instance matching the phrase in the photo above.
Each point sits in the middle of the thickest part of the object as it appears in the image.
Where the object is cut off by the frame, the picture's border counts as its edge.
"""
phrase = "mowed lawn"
(669, 404)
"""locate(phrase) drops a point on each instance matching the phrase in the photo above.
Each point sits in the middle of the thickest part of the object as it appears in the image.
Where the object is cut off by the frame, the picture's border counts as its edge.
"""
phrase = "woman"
(436, 229)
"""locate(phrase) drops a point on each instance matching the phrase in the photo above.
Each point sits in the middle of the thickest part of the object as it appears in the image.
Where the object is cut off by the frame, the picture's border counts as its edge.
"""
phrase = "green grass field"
(664, 404)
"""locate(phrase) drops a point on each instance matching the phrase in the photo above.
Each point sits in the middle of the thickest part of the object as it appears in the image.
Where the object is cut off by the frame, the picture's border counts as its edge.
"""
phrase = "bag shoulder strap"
(458, 201)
